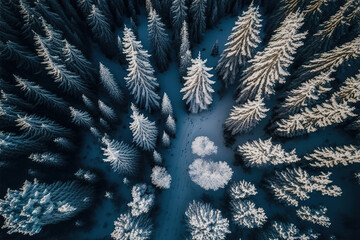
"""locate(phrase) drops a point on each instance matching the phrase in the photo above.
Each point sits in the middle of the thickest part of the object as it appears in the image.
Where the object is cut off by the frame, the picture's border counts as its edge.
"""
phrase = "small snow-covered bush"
(157, 157)
(85, 175)
(206, 223)
(143, 199)
(203, 146)
(209, 174)
(245, 214)
(128, 227)
(160, 177)
(165, 139)
(242, 189)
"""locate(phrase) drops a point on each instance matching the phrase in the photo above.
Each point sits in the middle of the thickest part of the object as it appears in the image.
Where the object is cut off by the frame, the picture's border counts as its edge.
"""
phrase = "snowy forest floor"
(169, 218)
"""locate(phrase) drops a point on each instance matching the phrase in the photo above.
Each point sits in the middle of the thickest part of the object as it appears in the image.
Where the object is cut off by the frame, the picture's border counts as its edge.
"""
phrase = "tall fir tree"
(140, 79)
(197, 88)
(108, 81)
(198, 20)
(179, 15)
(159, 40)
(244, 39)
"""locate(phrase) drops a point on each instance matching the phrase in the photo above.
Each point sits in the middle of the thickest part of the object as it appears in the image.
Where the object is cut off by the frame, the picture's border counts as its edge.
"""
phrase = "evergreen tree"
(128, 227)
(314, 215)
(350, 90)
(85, 7)
(160, 177)
(166, 107)
(242, 189)
(157, 157)
(140, 79)
(37, 204)
(287, 231)
(170, 125)
(122, 157)
(144, 131)
(108, 81)
(48, 158)
(165, 140)
(197, 88)
(143, 199)
(245, 117)
(215, 49)
(159, 40)
(184, 52)
(178, 14)
(270, 65)
(244, 39)
(80, 118)
(245, 214)
(198, 20)
(107, 111)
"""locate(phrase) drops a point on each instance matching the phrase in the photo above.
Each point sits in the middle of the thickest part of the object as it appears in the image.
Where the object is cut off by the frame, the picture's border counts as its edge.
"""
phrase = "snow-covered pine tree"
(23, 144)
(159, 40)
(41, 127)
(101, 31)
(205, 222)
(178, 12)
(245, 214)
(165, 139)
(314, 215)
(245, 117)
(48, 158)
(305, 95)
(269, 67)
(107, 111)
(122, 157)
(39, 95)
(197, 20)
(197, 88)
(259, 153)
(243, 41)
(64, 144)
(287, 231)
(170, 125)
(144, 131)
(242, 189)
(88, 103)
(166, 107)
(143, 199)
(295, 184)
(128, 227)
(184, 52)
(37, 204)
(350, 90)
(315, 11)
(160, 177)
(310, 120)
(333, 156)
(157, 157)
(53, 38)
(140, 79)
(80, 118)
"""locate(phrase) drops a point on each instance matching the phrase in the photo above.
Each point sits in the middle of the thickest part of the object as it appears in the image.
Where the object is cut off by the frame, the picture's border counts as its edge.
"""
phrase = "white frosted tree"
(143, 199)
(165, 139)
(170, 125)
(48, 158)
(288, 231)
(242, 42)
(140, 79)
(159, 41)
(197, 88)
(64, 143)
(157, 157)
(203, 146)
(295, 184)
(144, 131)
(106, 111)
(259, 153)
(108, 81)
(80, 118)
(197, 19)
(242, 189)
(128, 227)
(122, 157)
(178, 12)
(37, 204)
(350, 90)
(333, 156)
(166, 107)
(210, 175)
(160, 177)
(184, 52)
(243, 118)
(206, 223)
(310, 120)
(270, 66)
(245, 214)
(316, 216)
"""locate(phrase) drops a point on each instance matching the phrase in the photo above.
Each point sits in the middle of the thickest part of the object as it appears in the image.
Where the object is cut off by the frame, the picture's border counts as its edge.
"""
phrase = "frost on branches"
(203, 146)
(122, 157)
(143, 130)
(330, 157)
(49, 158)
(166, 107)
(261, 153)
(295, 184)
(143, 199)
(316, 216)
(140, 79)
(269, 66)
(210, 175)
(206, 223)
(128, 227)
(245, 117)
(288, 231)
(160, 177)
(37, 204)
(245, 214)
(109, 83)
(242, 189)
(244, 39)
(197, 88)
